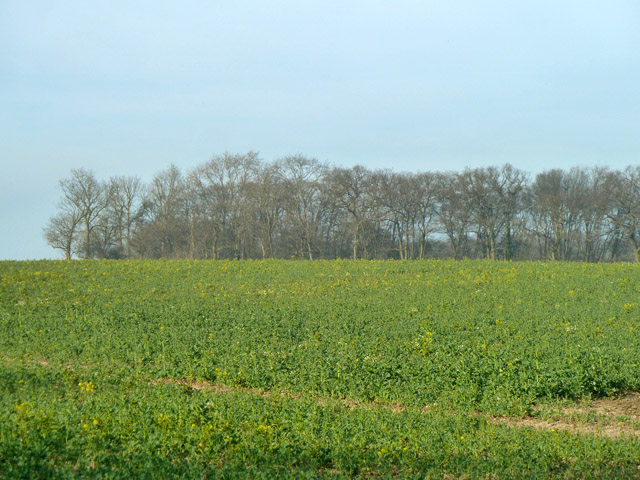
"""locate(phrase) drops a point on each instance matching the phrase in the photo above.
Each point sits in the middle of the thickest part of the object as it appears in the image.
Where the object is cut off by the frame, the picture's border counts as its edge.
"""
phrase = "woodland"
(237, 206)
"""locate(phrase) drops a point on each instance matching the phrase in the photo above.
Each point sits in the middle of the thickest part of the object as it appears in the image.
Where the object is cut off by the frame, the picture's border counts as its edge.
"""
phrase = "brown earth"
(606, 417)
(626, 405)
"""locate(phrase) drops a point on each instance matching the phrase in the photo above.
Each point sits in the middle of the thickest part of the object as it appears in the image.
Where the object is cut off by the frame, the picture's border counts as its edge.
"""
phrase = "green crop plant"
(297, 369)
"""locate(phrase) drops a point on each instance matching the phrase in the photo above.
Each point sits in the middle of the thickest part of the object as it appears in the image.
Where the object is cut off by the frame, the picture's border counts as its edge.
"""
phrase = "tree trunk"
(355, 241)
(508, 253)
(636, 249)
(86, 239)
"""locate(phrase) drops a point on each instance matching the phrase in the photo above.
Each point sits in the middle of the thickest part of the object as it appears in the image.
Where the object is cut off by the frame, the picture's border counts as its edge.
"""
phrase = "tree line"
(238, 206)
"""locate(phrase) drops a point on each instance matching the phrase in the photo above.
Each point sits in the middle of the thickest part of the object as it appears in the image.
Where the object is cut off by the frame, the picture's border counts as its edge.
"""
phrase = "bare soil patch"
(606, 417)
(350, 403)
(609, 430)
(626, 405)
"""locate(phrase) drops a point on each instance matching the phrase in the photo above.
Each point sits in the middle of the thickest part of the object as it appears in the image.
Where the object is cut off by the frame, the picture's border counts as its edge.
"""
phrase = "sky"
(131, 87)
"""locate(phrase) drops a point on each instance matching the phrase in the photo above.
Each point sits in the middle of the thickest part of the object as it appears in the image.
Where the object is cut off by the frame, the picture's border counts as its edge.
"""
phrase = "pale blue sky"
(129, 87)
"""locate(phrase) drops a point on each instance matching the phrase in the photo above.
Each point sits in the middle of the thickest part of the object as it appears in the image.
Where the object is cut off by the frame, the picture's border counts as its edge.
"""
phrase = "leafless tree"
(266, 198)
(455, 212)
(222, 187)
(596, 205)
(236, 206)
(496, 196)
(625, 192)
(350, 190)
(87, 197)
(165, 232)
(511, 191)
(126, 208)
(555, 220)
(488, 219)
(61, 231)
(305, 202)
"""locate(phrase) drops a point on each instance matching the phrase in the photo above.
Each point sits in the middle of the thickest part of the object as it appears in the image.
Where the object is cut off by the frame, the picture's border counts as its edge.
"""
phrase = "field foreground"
(276, 369)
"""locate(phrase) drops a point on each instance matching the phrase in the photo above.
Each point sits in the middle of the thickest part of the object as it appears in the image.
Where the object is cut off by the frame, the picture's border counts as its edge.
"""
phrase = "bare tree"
(511, 191)
(496, 196)
(222, 187)
(387, 188)
(266, 197)
(596, 205)
(554, 216)
(407, 204)
(350, 190)
(165, 233)
(487, 214)
(84, 194)
(455, 211)
(625, 191)
(402, 202)
(305, 203)
(126, 208)
(61, 231)
(426, 187)
(235, 206)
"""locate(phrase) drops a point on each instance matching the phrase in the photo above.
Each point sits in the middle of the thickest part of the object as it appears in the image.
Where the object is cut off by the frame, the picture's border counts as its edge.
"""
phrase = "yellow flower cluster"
(87, 386)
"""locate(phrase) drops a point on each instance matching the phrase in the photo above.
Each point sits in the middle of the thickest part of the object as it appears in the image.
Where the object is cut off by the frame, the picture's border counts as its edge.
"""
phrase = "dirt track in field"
(610, 417)
(607, 417)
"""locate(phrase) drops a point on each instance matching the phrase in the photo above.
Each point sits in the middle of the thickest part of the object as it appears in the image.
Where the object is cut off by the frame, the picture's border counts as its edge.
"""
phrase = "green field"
(294, 369)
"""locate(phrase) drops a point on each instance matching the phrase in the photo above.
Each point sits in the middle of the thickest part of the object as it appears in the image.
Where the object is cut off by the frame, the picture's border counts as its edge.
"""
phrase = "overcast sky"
(129, 87)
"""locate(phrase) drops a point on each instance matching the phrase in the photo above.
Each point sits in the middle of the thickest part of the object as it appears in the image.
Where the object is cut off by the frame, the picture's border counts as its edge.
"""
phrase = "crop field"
(326, 369)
